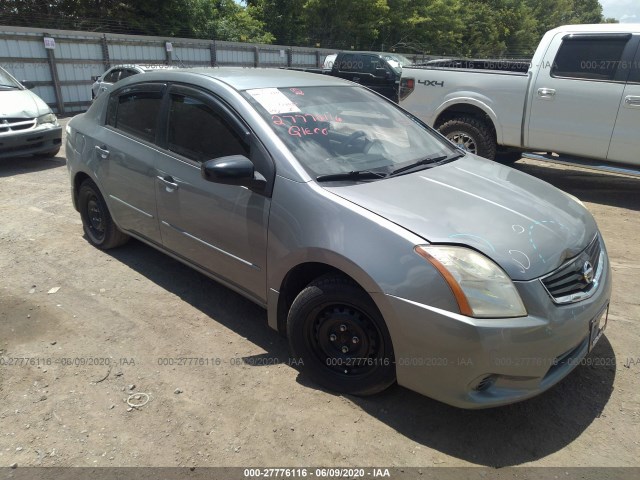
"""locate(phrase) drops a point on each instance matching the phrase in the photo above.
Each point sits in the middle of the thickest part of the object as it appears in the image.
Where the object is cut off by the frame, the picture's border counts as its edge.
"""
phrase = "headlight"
(481, 287)
(48, 118)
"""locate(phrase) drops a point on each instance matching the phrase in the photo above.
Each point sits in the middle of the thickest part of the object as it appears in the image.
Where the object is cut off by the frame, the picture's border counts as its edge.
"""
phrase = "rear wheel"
(471, 134)
(337, 331)
(96, 219)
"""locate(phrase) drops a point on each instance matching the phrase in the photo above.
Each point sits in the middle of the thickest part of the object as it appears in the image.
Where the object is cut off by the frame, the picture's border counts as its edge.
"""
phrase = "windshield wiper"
(353, 175)
(432, 161)
(7, 86)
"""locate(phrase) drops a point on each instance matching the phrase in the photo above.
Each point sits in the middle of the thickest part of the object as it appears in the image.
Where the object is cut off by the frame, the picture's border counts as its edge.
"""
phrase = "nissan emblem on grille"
(587, 272)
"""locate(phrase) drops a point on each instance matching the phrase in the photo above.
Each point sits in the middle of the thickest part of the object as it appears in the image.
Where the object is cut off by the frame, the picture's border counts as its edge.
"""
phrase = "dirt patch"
(119, 320)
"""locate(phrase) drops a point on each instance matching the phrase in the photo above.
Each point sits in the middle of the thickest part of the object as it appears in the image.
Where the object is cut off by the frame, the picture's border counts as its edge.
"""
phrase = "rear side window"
(634, 76)
(135, 113)
(199, 133)
(589, 58)
(350, 63)
(127, 73)
(112, 77)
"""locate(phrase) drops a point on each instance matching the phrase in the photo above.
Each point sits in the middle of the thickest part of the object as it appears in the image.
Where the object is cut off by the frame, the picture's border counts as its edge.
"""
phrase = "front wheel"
(337, 332)
(472, 135)
(96, 219)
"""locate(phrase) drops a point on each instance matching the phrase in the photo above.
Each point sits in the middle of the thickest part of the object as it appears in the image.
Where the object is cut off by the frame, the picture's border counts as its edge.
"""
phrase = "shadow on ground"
(19, 165)
(499, 437)
(588, 186)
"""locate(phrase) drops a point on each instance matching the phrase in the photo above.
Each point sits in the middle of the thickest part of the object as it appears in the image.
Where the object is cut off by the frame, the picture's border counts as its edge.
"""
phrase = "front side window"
(334, 130)
(135, 113)
(7, 80)
(589, 58)
(197, 132)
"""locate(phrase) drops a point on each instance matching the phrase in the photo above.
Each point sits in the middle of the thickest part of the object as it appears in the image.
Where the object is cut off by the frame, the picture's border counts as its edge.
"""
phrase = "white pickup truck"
(579, 99)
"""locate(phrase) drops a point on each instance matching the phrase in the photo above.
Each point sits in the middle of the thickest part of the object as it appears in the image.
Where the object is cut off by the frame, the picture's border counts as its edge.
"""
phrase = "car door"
(125, 153)
(220, 228)
(625, 142)
(575, 99)
(378, 76)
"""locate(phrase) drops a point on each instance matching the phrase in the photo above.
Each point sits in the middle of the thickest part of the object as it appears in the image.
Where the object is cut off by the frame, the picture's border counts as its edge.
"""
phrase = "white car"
(27, 124)
(120, 72)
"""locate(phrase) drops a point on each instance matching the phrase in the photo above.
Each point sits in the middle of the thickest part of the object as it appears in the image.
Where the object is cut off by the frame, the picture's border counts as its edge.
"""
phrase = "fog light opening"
(485, 383)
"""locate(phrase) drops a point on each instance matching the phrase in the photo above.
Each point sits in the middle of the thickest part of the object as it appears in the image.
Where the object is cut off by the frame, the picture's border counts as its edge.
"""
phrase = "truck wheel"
(471, 134)
(96, 219)
(337, 332)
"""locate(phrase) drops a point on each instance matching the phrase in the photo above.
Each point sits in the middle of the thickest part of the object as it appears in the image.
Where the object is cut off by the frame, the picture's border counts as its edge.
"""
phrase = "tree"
(344, 23)
(285, 19)
(587, 11)
(424, 26)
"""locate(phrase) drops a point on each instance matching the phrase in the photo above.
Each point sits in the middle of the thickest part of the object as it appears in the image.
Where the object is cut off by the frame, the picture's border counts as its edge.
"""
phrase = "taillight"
(406, 87)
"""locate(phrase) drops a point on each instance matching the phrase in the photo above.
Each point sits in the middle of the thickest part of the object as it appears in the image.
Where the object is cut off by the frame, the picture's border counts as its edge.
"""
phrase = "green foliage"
(477, 28)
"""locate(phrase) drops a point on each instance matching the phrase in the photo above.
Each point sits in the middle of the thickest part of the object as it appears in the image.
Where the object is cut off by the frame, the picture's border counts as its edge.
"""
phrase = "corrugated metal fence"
(62, 75)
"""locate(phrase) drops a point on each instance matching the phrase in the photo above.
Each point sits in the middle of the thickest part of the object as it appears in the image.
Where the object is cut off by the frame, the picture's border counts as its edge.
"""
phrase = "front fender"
(481, 103)
(309, 224)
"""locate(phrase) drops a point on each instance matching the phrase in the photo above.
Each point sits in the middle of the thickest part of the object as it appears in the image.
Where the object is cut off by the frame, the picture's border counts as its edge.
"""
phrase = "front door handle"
(103, 153)
(632, 101)
(169, 182)
(546, 92)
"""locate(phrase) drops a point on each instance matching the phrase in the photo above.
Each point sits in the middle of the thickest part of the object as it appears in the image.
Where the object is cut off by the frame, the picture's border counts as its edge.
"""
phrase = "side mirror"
(232, 170)
(94, 78)
(27, 84)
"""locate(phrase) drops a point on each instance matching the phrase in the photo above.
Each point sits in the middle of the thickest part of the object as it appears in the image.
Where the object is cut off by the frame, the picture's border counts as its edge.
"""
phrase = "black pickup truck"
(378, 71)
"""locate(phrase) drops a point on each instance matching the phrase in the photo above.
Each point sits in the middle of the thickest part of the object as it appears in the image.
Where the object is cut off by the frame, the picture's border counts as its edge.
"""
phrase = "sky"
(627, 11)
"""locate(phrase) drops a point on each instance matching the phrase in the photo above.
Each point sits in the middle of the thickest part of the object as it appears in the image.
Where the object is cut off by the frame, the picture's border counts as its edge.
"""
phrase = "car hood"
(21, 104)
(524, 224)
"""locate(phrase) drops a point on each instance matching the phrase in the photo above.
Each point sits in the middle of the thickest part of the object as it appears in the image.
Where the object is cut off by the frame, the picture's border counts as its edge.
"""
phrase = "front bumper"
(480, 363)
(39, 140)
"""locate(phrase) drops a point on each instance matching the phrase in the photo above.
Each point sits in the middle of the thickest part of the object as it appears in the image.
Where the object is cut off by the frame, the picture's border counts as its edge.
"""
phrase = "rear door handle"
(103, 153)
(632, 101)
(546, 92)
(169, 182)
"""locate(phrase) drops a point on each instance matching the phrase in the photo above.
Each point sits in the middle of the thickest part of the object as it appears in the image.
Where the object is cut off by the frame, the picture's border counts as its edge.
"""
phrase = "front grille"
(573, 281)
(16, 124)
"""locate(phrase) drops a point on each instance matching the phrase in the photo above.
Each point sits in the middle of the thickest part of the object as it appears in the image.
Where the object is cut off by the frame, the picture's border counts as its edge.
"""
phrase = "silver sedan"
(381, 250)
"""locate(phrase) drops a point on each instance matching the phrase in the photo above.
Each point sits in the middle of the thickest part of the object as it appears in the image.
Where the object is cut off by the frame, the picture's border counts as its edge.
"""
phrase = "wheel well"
(77, 181)
(464, 109)
(294, 282)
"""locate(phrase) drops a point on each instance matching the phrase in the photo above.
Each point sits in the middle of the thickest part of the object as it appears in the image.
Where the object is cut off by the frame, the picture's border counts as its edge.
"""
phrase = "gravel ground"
(69, 306)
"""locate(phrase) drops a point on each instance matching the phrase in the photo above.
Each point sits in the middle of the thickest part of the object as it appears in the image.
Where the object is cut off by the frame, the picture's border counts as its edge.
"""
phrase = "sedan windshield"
(7, 81)
(342, 130)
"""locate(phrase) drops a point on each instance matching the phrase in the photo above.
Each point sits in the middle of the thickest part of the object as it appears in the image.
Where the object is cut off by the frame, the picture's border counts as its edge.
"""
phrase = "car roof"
(250, 78)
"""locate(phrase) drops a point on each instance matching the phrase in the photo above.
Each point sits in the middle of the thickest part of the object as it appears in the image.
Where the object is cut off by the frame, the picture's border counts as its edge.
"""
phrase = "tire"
(97, 223)
(333, 313)
(472, 134)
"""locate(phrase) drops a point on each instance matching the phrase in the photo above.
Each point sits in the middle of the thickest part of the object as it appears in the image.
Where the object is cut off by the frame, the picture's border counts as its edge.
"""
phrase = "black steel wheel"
(97, 223)
(337, 332)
